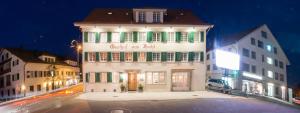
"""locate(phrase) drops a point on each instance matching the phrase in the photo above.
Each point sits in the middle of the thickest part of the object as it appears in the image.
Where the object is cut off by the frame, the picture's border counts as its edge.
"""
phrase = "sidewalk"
(127, 96)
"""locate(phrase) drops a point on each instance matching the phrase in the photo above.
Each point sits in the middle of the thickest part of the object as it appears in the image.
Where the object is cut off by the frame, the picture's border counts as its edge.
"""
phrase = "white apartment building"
(262, 63)
(26, 73)
(158, 49)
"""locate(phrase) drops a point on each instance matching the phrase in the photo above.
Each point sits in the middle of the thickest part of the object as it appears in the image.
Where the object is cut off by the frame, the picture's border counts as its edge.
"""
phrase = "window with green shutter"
(85, 56)
(201, 56)
(97, 77)
(202, 36)
(109, 35)
(122, 37)
(178, 56)
(164, 37)
(85, 36)
(97, 37)
(191, 37)
(135, 56)
(164, 56)
(149, 56)
(191, 56)
(178, 37)
(87, 77)
(109, 77)
(109, 56)
(97, 56)
(149, 36)
(135, 36)
(122, 56)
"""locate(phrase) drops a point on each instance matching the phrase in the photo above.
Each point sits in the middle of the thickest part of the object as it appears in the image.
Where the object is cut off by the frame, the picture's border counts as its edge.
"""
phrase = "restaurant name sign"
(132, 46)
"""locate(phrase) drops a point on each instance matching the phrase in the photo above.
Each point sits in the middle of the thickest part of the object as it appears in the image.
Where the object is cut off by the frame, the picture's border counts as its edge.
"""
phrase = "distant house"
(262, 63)
(25, 73)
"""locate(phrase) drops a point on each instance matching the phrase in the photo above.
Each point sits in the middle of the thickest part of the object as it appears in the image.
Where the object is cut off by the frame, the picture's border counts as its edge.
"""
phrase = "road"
(68, 103)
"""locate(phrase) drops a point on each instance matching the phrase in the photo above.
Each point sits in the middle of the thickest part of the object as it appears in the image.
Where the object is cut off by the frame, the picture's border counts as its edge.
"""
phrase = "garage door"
(181, 81)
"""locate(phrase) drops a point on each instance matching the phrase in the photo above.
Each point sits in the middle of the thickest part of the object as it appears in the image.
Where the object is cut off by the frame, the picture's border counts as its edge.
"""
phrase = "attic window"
(110, 13)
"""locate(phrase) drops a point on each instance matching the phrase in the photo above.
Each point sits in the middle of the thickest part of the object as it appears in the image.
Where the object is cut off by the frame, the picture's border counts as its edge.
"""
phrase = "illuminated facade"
(262, 63)
(158, 49)
(28, 73)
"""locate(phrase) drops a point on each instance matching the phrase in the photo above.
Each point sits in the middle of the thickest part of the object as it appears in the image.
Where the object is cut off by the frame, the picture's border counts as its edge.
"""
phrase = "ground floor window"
(39, 87)
(252, 87)
(155, 77)
(31, 88)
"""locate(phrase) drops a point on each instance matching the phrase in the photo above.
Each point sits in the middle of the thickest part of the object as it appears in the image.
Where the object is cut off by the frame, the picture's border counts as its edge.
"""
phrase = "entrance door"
(270, 89)
(180, 81)
(132, 81)
(283, 93)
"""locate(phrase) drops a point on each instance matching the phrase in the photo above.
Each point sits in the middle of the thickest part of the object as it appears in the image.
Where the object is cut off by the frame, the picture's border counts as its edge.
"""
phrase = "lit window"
(103, 39)
(270, 74)
(269, 60)
(197, 56)
(156, 17)
(184, 57)
(171, 37)
(103, 56)
(92, 56)
(115, 56)
(142, 57)
(156, 78)
(156, 37)
(170, 57)
(116, 37)
(269, 48)
(142, 37)
(156, 57)
(128, 57)
(91, 37)
(184, 37)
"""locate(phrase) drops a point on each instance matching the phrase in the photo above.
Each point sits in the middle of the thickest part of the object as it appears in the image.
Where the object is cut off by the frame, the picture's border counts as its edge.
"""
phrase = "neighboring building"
(26, 73)
(262, 63)
(159, 49)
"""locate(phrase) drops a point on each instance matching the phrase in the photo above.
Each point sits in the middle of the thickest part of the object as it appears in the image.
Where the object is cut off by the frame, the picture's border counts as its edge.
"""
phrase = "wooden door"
(132, 81)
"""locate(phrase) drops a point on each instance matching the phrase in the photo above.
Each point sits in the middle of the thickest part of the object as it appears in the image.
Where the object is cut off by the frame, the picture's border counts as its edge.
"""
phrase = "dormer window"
(142, 17)
(156, 17)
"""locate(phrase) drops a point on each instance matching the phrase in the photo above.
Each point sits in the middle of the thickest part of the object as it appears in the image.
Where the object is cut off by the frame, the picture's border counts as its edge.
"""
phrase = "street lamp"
(75, 44)
(23, 88)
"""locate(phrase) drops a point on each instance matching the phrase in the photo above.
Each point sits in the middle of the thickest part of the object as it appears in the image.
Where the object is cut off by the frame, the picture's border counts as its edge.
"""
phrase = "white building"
(26, 73)
(159, 49)
(262, 63)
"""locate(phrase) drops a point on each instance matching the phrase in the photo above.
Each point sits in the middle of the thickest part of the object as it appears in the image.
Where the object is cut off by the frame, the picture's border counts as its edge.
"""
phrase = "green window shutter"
(149, 56)
(97, 56)
(149, 36)
(97, 37)
(178, 56)
(201, 56)
(164, 37)
(122, 37)
(191, 37)
(135, 36)
(87, 77)
(135, 56)
(202, 36)
(178, 37)
(109, 56)
(164, 56)
(85, 36)
(97, 77)
(122, 56)
(191, 56)
(109, 77)
(109, 35)
(85, 56)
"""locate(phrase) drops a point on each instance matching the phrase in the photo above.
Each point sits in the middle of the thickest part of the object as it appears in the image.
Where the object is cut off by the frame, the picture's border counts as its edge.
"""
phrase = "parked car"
(218, 84)
(296, 100)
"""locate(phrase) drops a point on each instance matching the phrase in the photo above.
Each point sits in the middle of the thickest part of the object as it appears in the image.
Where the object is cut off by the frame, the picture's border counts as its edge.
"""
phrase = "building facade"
(157, 49)
(27, 73)
(262, 63)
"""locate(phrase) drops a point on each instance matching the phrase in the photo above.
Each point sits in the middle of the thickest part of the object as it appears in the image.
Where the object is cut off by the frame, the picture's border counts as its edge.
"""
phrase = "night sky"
(48, 24)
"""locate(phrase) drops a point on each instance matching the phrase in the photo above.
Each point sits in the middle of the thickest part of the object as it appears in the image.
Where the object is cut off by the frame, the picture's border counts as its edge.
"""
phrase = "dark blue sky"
(48, 24)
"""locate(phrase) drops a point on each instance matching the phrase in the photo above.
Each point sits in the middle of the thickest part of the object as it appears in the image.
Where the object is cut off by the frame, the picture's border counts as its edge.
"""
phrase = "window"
(269, 48)
(253, 55)
(264, 34)
(92, 56)
(116, 57)
(263, 72)
(156, 17)
(142, 57)
(197, 37)
(156, 37)
(281, 77)
(109, 77)
(91, 37)
(198, 56)
(184, 37)
(156, 57)
(128, 37)
(260, 44)
(207, 57)
(276, 63)
(281, 64)
(171, 37)
(253, 69)
(270, 74)
(276, 76)
(275, 50)
(215, 67)
(277, 90)
(97, 77)
(103, 56)
(155, 78)
(253, 41)
(8, 80)
(245, 67)
(170, 57)
(128, 57)
(142, 37)
(269, 60)
(39, 87)
(184, 57)
(31, 88)
(208, 67)
(141, 16)
(116, 37)
(103, 38)
(262, 58)
(246, 52)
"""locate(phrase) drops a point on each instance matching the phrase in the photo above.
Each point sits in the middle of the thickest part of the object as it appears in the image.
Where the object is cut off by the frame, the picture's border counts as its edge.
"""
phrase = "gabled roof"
(33, 56)
(125, 16)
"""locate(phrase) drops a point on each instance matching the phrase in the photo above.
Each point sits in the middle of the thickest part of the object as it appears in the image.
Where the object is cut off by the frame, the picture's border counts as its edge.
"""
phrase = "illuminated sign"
(252, 75)
(227, 60)
(132, 46)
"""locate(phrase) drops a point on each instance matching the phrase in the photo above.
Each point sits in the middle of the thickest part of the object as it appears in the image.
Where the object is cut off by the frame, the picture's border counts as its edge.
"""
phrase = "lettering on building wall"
(132, 46)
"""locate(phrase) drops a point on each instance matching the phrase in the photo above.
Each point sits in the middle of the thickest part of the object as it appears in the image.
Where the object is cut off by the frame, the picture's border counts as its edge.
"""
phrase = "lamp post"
(75, 44)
